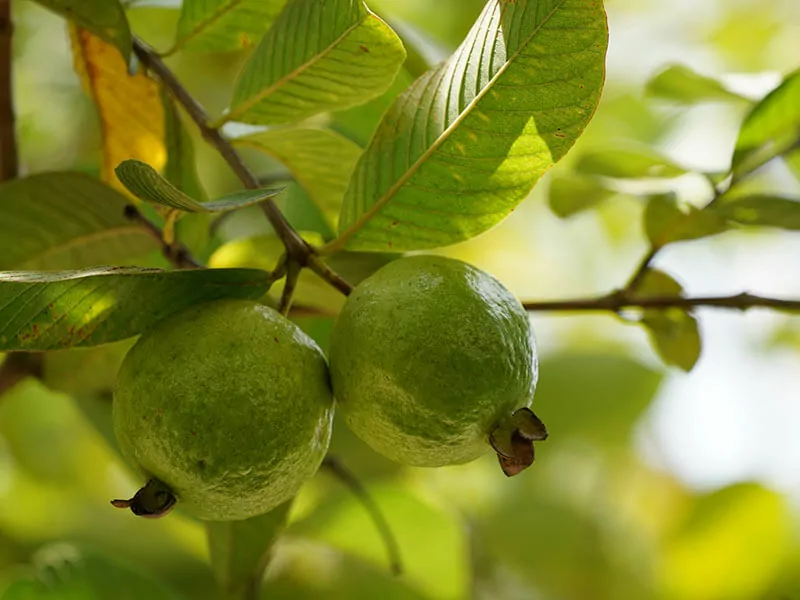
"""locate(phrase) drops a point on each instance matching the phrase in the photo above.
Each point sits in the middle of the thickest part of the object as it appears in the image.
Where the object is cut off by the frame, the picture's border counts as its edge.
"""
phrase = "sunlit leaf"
(772, 127)
(66, 221)
(575, 193)
(129, 106)
(673, 331)
(104, 18)
(763, 210)
(792, 159)
(145, 183)
(346, 57)
(683, 85)
(64, 572)
(54, 310)
(466, 143)
(320, 160)
(631, 162)
(224, 25)
(666, 221)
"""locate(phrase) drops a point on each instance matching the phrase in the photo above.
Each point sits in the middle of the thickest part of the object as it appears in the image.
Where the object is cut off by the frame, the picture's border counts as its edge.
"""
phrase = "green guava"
(432, 361)
(225, 407)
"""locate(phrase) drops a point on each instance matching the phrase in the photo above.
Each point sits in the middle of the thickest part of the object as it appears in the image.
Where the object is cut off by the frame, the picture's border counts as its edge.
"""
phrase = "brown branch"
(17, 367)
(9, 161)
(296, 248)
(175, 253)
(617, 302)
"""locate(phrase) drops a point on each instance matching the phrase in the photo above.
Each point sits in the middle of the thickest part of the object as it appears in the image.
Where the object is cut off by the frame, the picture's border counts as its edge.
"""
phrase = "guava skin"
(227, 403)
(428, 356)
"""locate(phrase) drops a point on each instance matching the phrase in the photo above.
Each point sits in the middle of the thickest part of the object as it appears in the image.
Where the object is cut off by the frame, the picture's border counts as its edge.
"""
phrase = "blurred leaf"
(66, 221)
(763, 210)
(597, 397)
(65, 573)
(96, 409)
(146, 184)
(240, 550)
(54, 310)
(674, 331)
(666, 221)
(224, 25)
(84, 370)
(683, 85)
(793, 162)
(129, 106)
(347, 57)
(771, 127)
(104, 18)
(466, 142)
(181, 167)
(628, 163)
(574, 194)
(731, 546)
(320, 160)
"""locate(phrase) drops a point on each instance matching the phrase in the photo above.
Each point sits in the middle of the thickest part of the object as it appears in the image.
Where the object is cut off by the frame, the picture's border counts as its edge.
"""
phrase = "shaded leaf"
(763, 210)
(66, 221)
(682, 84)
(467, 141)
(146, 184)
(181, 166)
(347, 57)
(666, 221)
(129, 106)
(628, 163)
(224, 25)
(574, 194)
(104, 18)
(320, 160)
(53, 310)
(771, 127)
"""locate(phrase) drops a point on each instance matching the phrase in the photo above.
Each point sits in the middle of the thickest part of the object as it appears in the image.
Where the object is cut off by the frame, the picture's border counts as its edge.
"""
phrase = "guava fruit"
(225, 407)
(432, 361)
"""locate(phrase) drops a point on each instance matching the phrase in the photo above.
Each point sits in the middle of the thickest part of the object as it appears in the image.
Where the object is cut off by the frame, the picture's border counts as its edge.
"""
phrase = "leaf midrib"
(339, 243)
(203, 24)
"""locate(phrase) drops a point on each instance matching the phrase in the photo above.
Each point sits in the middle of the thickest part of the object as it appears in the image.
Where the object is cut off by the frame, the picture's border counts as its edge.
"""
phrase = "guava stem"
(513, 439)
(153, 501)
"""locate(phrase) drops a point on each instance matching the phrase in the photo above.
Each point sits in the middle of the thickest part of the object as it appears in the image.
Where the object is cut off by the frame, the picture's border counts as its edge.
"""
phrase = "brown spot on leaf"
(364, 48)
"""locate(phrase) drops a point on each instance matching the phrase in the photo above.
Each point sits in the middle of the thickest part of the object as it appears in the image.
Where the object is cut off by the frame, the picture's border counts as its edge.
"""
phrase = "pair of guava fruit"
(227, 407)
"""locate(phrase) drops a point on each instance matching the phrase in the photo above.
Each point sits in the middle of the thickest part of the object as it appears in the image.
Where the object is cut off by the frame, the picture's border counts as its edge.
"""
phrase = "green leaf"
(104, 18)
(574, 194)
(683, 85)
(66, 221)
(771, 128)
(144, 182)
(63, 572)
(181, 167)
(467, 141)
(320, 160)
(632, 162)
(346, 57)
(674, 331)
(764, 210)
(792, 159)
(50, 311)
(224, 25)
(665, 221)
(240, 550)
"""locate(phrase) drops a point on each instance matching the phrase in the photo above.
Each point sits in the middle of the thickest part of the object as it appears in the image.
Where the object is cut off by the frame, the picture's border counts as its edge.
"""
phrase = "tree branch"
(616, 302)
(9, 162)
(18, 366)
(296, 248)
(175, 253)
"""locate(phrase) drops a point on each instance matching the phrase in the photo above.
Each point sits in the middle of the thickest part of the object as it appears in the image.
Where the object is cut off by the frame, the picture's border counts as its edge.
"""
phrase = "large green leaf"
(771, 128)
(345, 56)
(64, 572)
(104, 18)
(320, 160)
(467, 141)
(683, 85)
(576, 193)
(224, 25)
(763, 210)
(66, 221)
(630, 162)
(667, 221)
(144, 182)
(50, 311)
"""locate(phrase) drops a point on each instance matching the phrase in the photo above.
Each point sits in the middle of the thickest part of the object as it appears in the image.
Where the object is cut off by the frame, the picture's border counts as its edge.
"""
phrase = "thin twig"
(617, 302)
(9, 161)
(638, 276)
(357, 488)
(297, 249)
(175, 253)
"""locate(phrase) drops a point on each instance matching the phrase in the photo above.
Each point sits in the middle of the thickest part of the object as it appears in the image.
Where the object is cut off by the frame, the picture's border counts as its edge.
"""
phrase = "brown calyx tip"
(153, 501)
(513, 440)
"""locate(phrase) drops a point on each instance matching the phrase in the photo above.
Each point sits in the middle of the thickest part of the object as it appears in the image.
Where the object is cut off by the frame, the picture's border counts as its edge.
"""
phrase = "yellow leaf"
(129, 106)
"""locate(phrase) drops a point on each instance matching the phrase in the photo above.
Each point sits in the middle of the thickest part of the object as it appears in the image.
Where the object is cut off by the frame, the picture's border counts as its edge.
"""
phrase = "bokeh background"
(655, 483)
